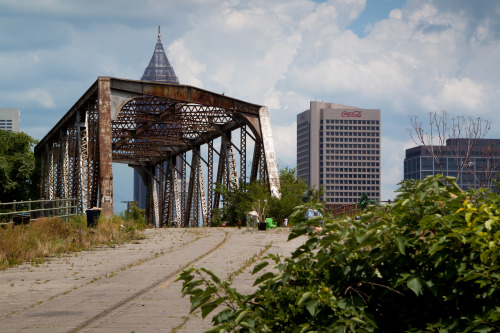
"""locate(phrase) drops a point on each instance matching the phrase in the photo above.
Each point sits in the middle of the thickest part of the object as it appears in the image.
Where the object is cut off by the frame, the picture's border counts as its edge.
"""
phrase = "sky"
(406, 58)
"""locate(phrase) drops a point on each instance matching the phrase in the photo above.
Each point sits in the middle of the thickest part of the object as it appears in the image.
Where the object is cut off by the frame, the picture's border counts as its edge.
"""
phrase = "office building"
(478, 170)
(338, 147)
(10, 119)
(158, 70)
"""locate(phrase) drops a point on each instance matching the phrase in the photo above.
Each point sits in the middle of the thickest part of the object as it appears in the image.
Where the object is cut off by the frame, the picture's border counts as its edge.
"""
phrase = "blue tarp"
(312, 213)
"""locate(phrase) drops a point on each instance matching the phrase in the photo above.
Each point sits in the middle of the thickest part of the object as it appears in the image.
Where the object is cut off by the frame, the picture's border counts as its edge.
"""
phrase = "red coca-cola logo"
(351, 114)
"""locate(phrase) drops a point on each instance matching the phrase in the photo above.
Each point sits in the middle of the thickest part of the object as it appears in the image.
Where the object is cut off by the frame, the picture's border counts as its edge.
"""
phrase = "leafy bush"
(251, 196)
(427, 263)
(19, 174)
(137, 216)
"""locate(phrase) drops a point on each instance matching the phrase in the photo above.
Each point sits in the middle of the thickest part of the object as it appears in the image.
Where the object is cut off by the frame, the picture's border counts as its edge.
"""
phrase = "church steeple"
(159, 68)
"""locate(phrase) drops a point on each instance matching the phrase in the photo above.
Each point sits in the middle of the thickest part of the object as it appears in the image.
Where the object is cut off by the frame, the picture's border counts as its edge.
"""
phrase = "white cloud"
(457, 95)
(36, 96)
(187, 69)
(285, 143)
(426, 56)
(395, 14)
(393, 155)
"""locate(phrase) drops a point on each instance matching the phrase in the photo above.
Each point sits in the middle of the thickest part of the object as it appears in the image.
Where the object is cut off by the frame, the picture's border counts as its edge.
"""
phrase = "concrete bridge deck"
(130, 288)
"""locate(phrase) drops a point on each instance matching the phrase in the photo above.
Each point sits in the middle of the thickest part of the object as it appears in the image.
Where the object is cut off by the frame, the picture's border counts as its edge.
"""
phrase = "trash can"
(92, 216)
(262, 226)
(23, 218)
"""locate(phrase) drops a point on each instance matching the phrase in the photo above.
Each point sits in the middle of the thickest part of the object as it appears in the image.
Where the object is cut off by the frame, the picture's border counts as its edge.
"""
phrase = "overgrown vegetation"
(136, 214)
(252, 196)
(47, 237)
(19, 176)
(427, 263)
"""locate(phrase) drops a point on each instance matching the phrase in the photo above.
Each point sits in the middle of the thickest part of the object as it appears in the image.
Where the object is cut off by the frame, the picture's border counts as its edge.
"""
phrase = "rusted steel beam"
(184, 93)
(105, 148)
(207, 137)
(68, 118)
(148, 123)
(257, 150)
(243, 155)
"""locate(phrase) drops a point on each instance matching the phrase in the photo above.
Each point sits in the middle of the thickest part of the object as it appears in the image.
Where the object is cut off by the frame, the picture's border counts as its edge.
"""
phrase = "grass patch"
(48, 237)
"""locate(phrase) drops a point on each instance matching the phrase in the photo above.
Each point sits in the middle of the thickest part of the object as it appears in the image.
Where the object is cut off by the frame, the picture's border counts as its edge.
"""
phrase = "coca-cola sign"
(351, 114)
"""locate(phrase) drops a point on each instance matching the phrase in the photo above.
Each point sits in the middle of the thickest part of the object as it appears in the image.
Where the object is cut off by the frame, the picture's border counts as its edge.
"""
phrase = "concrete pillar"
(105, 147)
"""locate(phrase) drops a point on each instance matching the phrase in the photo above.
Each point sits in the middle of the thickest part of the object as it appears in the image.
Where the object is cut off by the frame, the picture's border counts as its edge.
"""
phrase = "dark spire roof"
(159, 68)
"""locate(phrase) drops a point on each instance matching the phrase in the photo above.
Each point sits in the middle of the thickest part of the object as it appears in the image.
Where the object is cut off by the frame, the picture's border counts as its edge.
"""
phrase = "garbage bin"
(262, 226)
(92, 216)
(23, 218)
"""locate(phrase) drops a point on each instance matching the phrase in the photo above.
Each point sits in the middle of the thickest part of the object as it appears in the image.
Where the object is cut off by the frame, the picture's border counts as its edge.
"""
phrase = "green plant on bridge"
(239, 201)
(427, 263)
(364, 201)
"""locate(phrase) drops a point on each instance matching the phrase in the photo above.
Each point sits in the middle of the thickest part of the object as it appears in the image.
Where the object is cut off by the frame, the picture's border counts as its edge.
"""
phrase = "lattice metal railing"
(150, 124)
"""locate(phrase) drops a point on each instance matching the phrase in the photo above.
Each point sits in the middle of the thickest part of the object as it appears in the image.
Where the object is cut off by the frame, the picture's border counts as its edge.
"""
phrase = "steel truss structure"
(147, 125)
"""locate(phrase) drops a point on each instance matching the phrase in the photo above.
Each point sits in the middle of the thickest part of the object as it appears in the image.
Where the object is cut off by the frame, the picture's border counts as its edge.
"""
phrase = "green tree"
(136, 214)
(19, 177)
(239, 201)
(292, 190)
(407, 186)
(427, 263)
(365, 201)
(313, 194)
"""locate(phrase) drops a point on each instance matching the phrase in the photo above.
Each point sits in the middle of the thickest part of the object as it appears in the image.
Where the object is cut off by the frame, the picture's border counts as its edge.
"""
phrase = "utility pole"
(128, 207)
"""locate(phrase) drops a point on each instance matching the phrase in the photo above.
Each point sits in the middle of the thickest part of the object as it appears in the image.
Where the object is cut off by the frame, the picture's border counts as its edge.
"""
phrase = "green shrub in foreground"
(427, 263)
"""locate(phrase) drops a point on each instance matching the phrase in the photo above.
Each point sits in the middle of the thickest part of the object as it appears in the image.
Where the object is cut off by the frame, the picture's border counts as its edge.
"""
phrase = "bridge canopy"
(147, 125)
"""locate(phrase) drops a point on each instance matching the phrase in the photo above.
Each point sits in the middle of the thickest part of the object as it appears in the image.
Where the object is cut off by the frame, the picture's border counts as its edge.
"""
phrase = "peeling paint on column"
(105, 148)
(270, 155)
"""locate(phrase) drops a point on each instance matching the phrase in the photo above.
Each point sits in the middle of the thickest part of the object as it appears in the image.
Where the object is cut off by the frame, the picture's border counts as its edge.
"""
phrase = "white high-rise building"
(338, 146)
(10, 119)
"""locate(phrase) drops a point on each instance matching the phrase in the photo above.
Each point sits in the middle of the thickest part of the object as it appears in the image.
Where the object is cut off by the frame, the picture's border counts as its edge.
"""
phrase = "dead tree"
(447, 136)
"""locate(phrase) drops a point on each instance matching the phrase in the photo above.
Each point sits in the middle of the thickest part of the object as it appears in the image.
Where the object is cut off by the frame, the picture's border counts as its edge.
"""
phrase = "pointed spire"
(159, 68)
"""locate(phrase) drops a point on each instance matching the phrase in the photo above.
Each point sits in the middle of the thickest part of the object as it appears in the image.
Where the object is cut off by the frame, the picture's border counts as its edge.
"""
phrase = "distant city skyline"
(406, 57)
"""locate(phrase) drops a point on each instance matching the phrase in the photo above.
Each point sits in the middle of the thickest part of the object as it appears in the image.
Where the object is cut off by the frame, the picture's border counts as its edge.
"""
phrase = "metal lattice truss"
(179, 138)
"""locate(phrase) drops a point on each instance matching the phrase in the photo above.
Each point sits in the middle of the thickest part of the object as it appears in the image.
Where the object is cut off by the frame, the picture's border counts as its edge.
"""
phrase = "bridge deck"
(130, 287)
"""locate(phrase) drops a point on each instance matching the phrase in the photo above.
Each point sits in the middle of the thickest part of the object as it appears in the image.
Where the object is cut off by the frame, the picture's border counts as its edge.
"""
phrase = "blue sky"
(404, 57)
(375, 10)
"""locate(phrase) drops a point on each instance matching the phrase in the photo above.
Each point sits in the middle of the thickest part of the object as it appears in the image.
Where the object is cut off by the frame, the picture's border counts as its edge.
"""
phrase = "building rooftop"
(159, 68)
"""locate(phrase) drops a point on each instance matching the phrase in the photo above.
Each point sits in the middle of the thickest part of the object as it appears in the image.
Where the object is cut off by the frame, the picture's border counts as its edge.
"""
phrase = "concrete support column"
(270, 156)
(105, 147)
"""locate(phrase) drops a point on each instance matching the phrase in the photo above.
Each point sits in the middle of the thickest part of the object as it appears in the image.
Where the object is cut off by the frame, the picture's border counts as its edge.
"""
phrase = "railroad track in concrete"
(161, 283)
(66, 310)
(132, 288)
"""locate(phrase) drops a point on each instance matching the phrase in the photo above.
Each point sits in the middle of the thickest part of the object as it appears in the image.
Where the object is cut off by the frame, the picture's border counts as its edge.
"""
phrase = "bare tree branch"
(446, 136)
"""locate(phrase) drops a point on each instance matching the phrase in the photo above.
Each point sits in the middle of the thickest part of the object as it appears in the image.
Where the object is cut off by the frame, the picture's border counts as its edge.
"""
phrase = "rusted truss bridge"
(181, 140)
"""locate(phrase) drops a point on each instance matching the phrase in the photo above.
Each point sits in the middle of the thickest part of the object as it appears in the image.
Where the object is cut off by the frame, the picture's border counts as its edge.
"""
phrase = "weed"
(250, 261)
(48, 237)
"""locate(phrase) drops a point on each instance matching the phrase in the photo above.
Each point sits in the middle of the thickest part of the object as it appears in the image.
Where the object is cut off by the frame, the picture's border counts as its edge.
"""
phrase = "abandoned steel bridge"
(147, 125)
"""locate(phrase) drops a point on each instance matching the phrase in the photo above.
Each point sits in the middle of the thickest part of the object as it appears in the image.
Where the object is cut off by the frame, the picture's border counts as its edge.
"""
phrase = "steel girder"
(147, 125)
